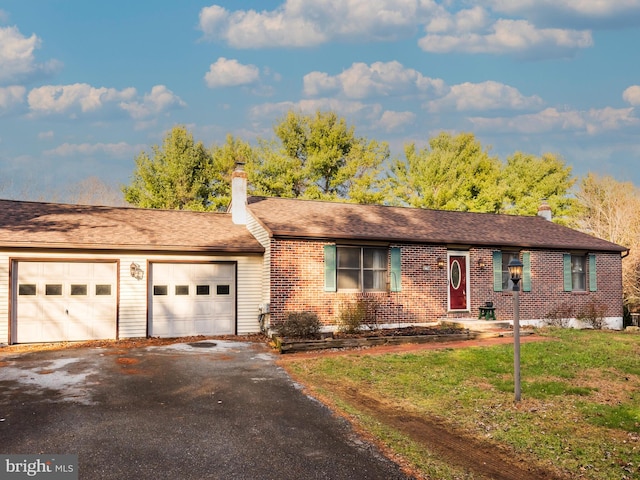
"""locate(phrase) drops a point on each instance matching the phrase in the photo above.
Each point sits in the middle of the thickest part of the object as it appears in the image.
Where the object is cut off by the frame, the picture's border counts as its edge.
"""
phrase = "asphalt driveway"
(207, 410)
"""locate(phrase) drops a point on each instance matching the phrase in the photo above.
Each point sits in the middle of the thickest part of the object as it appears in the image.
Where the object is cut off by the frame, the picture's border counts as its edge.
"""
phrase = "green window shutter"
(497, 271)
(593, 274)
(396, 271)
(568, 284)
(526, 271)
(330, 281)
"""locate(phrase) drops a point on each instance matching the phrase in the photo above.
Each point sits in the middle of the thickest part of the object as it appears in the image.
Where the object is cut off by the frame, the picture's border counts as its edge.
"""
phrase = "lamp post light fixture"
(515, 271)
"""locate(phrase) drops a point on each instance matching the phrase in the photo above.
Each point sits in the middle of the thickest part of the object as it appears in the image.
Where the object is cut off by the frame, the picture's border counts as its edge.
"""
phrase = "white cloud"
(367, 116)
(159, 100)
(590, 13)
(11, 96)
(117, 150)
(592, 121)
(390, 121)
(471, 20)
(632, 95)
(517, 37)
(17, 60)
(488, 95)
(304, 23)
(79, 97)
(230, 73)
(269, 110)
(48, 135)
(380, 79)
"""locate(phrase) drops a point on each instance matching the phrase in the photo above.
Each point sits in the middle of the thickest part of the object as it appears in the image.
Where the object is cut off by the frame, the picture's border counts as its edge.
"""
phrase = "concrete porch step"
(478, 325)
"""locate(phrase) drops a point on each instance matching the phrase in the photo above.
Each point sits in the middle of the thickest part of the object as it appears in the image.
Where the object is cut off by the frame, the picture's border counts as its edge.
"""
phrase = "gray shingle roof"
(344, 221)
(49, 225)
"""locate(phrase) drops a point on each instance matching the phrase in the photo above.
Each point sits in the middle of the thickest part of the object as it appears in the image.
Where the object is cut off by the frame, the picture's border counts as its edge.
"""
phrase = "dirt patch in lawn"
(456, 448)
(452, 447)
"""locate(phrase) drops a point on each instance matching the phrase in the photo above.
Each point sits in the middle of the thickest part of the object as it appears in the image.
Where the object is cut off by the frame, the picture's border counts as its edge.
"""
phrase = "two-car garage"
(87, 272)
(78, 300)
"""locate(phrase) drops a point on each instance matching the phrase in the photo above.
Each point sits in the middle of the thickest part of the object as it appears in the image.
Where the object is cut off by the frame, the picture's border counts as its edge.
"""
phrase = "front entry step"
(478, 325)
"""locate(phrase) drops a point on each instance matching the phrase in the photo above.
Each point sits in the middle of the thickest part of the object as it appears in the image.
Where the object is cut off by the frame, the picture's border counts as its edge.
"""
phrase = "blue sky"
(85, 86)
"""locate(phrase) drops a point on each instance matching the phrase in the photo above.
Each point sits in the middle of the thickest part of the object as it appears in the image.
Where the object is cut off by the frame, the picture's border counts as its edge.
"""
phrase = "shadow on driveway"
(215, 409)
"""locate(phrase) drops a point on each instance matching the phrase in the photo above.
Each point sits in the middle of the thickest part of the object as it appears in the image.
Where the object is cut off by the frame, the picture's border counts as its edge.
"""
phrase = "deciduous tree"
(610, 210)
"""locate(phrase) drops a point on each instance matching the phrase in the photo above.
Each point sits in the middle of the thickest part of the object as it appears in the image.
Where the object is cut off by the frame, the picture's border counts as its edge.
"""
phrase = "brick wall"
(297, 284)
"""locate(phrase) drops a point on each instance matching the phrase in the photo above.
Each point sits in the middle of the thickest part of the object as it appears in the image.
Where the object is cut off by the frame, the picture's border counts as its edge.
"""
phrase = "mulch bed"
(402, 332)
(364, 339)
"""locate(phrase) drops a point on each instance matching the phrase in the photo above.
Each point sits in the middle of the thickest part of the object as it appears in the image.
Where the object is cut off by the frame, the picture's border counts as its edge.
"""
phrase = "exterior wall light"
(440, 262)
(136, 271)
(481, 263)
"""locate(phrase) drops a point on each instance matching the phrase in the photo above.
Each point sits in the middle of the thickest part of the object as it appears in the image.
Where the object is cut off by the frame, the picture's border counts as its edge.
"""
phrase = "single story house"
(70, 272)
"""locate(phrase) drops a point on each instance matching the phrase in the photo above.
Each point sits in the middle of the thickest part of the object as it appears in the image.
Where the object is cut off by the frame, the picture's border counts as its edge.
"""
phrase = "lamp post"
(515, 271)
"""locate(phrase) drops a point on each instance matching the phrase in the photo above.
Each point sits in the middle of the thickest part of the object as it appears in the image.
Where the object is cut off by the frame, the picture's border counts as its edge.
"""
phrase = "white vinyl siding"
(4, 299)
(262, 236)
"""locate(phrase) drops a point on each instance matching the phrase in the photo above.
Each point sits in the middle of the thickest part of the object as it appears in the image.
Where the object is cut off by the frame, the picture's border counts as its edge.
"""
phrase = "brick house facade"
(297, 284)
(321, 255)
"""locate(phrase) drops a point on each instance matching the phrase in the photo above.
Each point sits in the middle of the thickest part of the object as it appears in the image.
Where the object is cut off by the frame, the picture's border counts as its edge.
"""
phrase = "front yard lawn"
(445, 412)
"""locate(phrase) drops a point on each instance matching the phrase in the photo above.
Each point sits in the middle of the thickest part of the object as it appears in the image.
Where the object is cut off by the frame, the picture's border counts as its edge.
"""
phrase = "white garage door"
(192, 299)
(68, 301)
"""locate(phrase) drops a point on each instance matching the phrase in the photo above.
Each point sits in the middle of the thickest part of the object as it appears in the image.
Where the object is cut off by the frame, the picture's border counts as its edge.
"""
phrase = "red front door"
(457, 282)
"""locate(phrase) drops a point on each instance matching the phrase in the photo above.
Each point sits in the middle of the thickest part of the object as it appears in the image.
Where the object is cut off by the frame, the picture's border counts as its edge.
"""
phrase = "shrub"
(299, 325)
(361, 312)
(560, 315)
(593, 314)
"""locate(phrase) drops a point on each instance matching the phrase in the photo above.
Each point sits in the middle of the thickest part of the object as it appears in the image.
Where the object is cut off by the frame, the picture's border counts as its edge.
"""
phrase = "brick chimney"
(239, 195)
(544, 210)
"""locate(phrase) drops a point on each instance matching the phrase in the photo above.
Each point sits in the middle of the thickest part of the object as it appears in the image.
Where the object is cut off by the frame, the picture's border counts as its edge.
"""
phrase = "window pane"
(223, 289)
(53, 289)
(349, 279)
(78, 289)
(202, 290)
(160, 289)
(348, 257)
(375, 258)
(507, 284)
(375, 279)
(578, 273)
(103, 289)
(182, 289)
(27, 289)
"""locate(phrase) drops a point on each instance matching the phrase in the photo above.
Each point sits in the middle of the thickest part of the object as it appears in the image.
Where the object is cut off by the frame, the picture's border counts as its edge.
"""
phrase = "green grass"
(580, 408)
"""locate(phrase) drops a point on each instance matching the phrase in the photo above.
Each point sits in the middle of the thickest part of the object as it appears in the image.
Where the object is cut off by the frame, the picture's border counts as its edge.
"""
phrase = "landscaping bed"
(369, 338)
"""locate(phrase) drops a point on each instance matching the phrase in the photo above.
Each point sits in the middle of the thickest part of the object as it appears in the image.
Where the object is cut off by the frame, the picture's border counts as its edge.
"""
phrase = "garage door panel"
(61, 301)
(197, 311)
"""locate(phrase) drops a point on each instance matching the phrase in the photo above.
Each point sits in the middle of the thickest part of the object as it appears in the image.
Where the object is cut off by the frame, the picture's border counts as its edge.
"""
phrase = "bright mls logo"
(49, 467)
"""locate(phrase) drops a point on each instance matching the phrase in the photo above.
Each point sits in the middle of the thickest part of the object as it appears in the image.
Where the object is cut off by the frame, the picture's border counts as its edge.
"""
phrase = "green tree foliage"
(451, 173)
(224, 158)
(175, 176)
(319, 157)
(527, 179)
